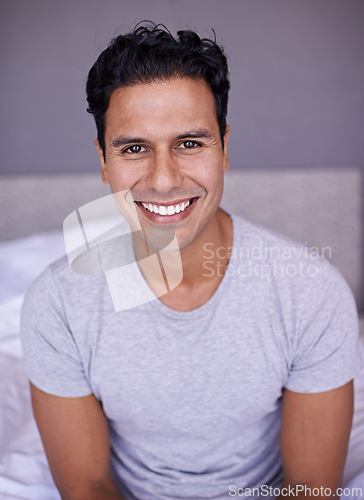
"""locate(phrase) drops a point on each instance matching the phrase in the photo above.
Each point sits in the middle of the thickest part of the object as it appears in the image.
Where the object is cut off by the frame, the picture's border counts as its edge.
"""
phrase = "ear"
(226, 162)
(104, 176)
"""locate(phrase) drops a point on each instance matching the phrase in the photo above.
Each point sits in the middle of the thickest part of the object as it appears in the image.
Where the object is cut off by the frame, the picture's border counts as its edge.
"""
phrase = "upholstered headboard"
(318, 206)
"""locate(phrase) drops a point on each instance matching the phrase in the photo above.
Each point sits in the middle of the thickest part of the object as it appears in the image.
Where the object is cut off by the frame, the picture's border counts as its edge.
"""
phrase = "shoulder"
(317, 307)
(286, 257)
(267, 241)
(59, 288)
(52, 358)
(305, 283)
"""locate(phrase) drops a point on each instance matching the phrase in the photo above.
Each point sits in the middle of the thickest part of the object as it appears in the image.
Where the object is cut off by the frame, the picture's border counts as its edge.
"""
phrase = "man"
(224, 384)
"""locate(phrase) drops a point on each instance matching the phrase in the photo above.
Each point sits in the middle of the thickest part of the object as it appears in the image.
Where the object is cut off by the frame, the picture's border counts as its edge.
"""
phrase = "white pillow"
(22, 260)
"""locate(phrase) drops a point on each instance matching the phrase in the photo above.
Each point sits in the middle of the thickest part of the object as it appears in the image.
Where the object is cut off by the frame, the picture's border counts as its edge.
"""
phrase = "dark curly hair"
(151, 53)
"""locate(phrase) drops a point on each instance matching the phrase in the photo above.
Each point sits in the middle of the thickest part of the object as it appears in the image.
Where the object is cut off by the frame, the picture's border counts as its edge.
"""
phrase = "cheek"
(211, 177)
(122, 178)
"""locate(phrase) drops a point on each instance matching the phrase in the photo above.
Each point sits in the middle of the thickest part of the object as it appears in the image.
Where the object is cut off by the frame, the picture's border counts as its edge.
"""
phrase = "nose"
(164, 173)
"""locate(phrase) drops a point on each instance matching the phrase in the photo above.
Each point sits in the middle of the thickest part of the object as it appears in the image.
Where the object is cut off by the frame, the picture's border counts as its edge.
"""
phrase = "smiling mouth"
(166, 210)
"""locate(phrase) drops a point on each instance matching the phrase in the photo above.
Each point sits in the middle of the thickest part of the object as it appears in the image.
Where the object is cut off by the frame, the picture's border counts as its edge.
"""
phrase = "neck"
(210, 247)
(204, 263)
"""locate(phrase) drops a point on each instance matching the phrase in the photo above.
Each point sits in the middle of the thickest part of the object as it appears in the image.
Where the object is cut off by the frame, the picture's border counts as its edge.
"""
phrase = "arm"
(315, 431)
(76, 441)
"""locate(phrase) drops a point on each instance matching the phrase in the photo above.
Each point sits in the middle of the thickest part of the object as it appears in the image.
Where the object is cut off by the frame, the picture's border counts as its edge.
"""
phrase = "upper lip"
(169, 203)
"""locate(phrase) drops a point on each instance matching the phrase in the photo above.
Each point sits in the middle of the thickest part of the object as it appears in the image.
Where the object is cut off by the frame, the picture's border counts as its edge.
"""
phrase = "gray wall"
(297, 71)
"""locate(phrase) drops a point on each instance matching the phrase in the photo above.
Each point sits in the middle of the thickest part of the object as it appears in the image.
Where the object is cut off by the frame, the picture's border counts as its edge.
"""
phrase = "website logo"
(140, 264)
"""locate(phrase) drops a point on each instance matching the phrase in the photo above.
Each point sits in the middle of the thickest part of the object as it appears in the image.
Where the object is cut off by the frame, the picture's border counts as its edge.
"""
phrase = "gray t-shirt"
(193, 399)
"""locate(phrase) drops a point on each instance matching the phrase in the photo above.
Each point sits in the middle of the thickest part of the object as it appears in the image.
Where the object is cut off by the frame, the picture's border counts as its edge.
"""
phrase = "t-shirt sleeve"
(52, 360)
(325, 353)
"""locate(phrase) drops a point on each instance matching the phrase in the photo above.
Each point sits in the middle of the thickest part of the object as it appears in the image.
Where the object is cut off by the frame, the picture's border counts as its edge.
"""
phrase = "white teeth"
(166, 210)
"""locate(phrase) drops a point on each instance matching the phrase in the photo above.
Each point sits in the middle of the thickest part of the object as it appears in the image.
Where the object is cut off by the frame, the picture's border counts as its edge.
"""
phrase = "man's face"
(163, 143)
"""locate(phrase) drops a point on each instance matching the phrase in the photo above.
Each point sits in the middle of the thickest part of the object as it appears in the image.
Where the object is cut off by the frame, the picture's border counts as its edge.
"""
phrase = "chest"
(190, 375)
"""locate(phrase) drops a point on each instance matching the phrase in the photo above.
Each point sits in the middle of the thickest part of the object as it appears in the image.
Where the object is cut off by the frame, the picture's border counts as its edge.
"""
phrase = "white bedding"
(24, 474)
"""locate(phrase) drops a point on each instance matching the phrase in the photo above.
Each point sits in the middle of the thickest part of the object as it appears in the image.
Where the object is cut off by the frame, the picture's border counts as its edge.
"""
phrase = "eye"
(136, 148)
(189, 145)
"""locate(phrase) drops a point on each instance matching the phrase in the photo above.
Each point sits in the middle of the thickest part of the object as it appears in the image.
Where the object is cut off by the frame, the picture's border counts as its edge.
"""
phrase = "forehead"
(161, 107)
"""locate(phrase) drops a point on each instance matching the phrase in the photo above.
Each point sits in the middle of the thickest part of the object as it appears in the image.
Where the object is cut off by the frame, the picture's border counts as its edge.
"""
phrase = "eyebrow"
(122, 140)
(197, 133)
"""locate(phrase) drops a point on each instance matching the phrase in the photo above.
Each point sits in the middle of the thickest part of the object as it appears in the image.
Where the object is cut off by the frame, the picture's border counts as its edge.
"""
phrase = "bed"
(320, 207)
